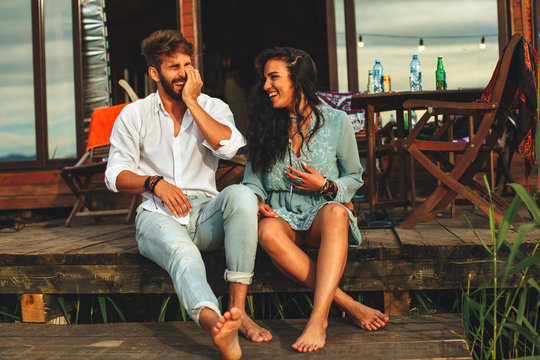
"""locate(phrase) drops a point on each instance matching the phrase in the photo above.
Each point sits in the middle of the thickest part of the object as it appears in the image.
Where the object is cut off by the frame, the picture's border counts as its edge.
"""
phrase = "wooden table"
(374, 103)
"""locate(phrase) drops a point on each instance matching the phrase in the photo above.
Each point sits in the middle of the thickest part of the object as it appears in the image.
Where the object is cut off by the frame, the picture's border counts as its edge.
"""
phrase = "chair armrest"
(448, 105)
(83, 159)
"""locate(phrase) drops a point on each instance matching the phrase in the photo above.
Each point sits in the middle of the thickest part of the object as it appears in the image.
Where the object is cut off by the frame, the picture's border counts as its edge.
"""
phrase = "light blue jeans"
(229, 220)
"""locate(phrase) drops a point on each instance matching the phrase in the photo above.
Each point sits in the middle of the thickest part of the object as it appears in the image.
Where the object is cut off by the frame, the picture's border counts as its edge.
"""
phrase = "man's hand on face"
(193, 86)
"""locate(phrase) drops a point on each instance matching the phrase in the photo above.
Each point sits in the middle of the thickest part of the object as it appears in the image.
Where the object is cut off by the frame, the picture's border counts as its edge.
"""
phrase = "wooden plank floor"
(411, 337)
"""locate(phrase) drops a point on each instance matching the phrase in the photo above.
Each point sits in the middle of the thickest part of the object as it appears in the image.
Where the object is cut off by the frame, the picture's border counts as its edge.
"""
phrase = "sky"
(466, 65)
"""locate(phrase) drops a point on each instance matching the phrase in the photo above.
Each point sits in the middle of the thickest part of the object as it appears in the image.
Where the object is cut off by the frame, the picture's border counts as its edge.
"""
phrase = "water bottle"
(378, 77)
(440, 75)
(416, 74)
(370, 84)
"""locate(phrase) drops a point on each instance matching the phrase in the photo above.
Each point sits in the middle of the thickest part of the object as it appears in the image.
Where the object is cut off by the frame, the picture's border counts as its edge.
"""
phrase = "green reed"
(500, 318)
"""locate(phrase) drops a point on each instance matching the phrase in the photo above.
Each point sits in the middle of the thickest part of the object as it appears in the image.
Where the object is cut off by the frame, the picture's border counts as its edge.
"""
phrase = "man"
(167, 146)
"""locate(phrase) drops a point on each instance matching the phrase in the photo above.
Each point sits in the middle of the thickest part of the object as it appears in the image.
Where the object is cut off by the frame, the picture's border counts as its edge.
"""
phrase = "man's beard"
(168, 87)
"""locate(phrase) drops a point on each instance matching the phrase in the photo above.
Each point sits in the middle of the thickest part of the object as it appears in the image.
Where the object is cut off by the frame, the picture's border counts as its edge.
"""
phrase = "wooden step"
(409, 337)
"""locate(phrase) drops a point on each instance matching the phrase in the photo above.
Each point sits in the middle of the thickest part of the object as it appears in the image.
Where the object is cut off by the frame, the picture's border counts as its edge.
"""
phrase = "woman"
(304, 165)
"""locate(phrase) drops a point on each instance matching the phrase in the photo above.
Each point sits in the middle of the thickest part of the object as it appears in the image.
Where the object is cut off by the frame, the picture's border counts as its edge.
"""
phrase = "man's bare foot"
(252, 331)
(368, 318)
(313, 337)
(225, 334)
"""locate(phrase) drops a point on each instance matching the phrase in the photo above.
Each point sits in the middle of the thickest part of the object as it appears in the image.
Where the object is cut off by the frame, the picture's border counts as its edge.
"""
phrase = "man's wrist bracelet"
(153, 183)
(146, 183)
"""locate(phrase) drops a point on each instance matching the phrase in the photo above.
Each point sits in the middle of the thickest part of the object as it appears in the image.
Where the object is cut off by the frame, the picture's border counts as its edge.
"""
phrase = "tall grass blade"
(278, 305)
(528, 200)
(163, 310)
(522, 233)
(526, 332)
(118, 310)
(60, 300)
(6, 314)
(508, 218)
(103, 308)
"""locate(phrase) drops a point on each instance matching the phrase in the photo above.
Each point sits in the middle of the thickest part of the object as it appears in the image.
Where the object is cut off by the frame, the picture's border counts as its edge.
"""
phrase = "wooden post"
(40, 308)
(396, 303)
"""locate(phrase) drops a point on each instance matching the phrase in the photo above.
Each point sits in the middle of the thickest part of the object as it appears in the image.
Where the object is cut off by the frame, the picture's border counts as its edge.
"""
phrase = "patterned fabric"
(525, 99)
(342, 101)
(332, 151)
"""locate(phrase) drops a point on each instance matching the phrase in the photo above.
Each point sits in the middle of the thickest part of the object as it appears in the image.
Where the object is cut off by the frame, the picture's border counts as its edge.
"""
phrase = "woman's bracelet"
(331, 187)
(324, 187)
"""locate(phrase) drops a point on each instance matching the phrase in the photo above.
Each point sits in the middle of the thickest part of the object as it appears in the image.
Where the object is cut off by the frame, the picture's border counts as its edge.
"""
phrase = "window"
(17, 111)
(391, 31)
(38, 119)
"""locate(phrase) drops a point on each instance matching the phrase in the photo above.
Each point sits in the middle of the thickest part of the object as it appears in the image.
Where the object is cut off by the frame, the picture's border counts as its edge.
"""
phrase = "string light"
(421, 45)
(482, 44)
(360, 41)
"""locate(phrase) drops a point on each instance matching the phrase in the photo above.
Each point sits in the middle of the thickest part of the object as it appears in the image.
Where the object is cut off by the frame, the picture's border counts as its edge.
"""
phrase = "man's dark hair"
(164, 42)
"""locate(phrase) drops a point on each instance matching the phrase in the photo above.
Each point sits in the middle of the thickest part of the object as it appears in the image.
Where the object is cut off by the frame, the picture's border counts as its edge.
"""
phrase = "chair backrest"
(342, 101)
(101, 125)
(504, 84)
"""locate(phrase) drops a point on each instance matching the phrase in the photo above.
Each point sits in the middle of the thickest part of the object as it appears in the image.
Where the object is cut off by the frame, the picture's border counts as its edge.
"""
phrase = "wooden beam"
(332, 46)
(364, 275)
(351, 43)
(396, 303)
(40, 308)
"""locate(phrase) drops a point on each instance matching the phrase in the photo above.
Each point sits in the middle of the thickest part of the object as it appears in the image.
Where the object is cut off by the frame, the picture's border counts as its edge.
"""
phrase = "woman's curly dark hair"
(268, 128)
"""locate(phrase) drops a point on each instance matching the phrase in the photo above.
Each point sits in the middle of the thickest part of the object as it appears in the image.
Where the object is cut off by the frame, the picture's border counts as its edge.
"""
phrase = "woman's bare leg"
(329, 232)
(280, 242)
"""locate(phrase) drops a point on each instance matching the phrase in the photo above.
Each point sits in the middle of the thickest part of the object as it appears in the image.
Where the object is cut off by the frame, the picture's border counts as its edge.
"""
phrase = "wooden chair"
(458, 178)
(85, 178)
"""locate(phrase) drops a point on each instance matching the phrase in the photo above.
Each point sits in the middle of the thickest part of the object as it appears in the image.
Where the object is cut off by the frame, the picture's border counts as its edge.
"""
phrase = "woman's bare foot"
(252, 331)
(367, 318)
(313, 337)
(225, 334)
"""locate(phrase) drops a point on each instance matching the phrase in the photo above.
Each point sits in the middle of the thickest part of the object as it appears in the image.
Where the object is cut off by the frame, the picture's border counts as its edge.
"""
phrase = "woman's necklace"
(297, 130)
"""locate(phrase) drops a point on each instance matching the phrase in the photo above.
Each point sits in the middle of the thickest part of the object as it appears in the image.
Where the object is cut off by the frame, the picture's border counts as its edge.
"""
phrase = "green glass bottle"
(440, 75)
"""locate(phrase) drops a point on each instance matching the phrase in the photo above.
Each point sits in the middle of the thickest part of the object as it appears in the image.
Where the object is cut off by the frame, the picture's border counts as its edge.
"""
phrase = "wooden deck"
(48, 258)
(102, 258)
(412, 337)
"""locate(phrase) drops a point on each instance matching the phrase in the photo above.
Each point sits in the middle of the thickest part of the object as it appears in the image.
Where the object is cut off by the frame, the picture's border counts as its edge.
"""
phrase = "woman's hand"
(311, 180)
(265, 211)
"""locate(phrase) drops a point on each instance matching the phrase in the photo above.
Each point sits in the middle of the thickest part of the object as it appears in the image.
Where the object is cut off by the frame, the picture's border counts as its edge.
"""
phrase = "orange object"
(101, 125)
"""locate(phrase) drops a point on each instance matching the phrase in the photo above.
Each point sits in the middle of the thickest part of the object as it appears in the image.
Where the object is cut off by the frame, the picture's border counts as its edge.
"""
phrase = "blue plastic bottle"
(378, 77)
(416, 74)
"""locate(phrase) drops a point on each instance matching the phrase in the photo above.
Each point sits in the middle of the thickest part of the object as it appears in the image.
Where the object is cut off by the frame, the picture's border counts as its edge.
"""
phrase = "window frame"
(40, 95)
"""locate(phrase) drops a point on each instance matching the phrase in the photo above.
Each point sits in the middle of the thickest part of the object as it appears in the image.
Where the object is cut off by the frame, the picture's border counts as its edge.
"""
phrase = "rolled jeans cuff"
(196, 310)
(238, 277)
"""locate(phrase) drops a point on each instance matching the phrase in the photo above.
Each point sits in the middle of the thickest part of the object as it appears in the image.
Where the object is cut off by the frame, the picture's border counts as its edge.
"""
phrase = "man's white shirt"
(143, 141)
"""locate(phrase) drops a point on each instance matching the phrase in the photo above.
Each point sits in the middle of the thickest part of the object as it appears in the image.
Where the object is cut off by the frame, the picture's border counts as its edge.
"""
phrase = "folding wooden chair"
(515, 72)
(85, 178)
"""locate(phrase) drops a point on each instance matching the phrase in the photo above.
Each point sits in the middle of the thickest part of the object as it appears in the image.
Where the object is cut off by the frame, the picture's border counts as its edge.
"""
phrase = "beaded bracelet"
(324, 186)
(331, 187)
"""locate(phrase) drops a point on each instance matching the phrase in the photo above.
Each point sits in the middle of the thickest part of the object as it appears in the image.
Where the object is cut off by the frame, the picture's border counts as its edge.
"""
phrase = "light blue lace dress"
(332, 152)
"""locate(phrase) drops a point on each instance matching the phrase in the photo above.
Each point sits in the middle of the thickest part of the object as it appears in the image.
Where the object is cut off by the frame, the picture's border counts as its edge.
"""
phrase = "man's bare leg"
(223, 330)
(252, 331)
